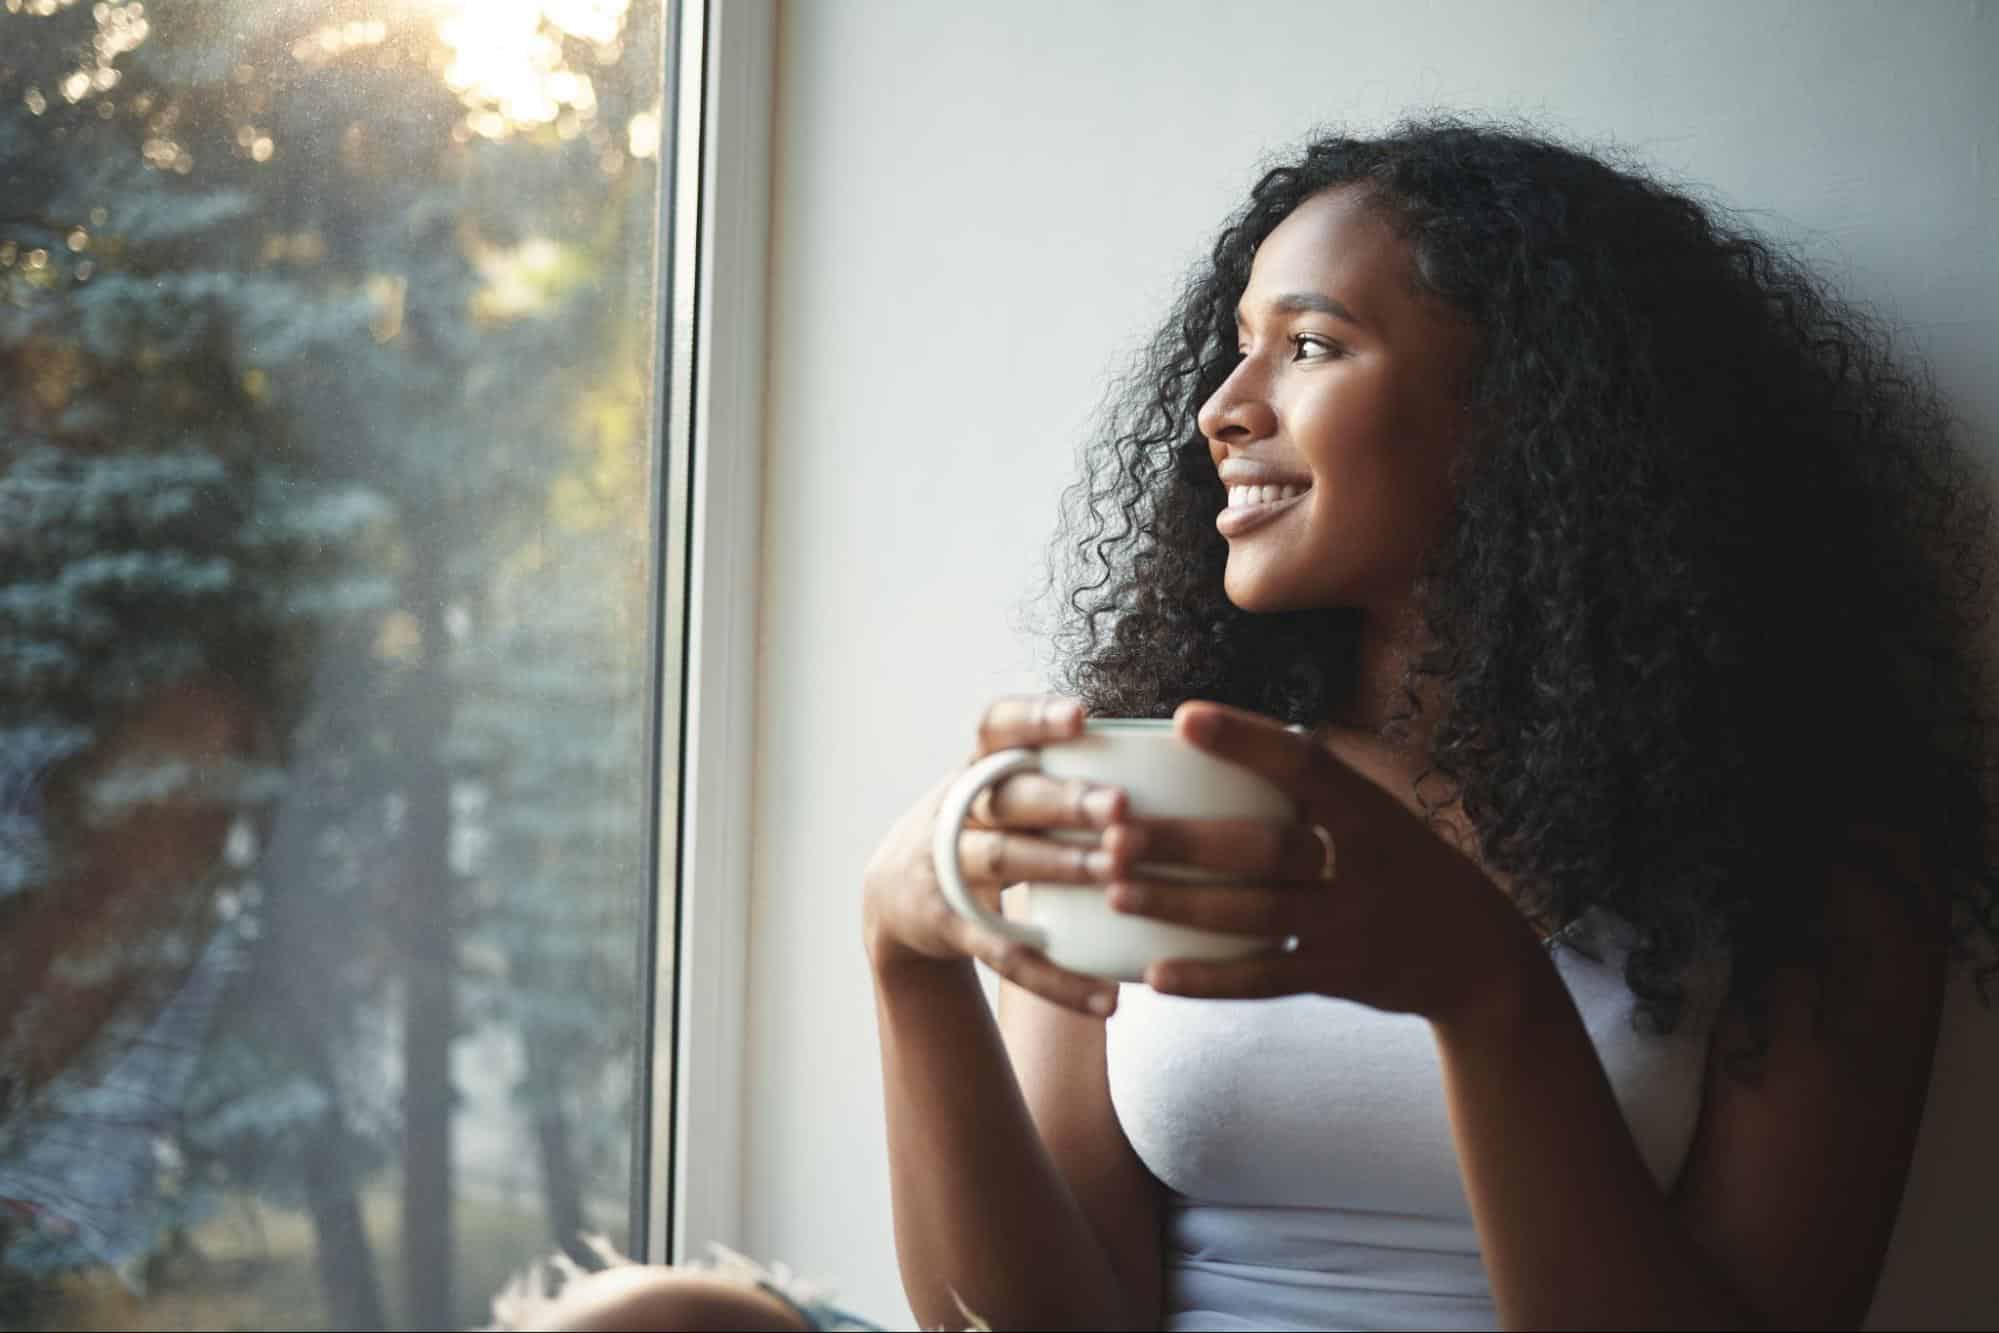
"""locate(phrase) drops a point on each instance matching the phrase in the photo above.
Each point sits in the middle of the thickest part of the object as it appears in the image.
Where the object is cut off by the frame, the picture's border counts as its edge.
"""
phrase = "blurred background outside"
(327, 414)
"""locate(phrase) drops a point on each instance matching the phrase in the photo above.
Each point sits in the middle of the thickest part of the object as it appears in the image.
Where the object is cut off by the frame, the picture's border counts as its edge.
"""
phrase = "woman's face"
(1336, 431)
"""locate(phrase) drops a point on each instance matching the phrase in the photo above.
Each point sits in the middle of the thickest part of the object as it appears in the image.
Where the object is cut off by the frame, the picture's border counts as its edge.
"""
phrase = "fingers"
(1300, 764)
(1239, 909)
(1029, 800)
(1009, 858)
(1252, 849)
(1029, 968)
(1028, 720)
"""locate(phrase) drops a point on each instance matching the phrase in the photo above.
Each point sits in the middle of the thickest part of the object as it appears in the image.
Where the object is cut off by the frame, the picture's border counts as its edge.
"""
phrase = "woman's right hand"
(907, 921)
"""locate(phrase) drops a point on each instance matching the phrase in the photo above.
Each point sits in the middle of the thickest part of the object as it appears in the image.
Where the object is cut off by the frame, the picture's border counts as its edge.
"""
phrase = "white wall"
(980, 209)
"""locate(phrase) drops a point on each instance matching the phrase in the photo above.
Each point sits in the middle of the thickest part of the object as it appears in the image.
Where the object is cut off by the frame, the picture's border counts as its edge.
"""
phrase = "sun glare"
(516, 65)
(506, 59)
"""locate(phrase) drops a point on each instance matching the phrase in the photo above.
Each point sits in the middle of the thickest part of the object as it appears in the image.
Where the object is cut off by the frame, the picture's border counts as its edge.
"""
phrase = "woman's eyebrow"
(1297, 303)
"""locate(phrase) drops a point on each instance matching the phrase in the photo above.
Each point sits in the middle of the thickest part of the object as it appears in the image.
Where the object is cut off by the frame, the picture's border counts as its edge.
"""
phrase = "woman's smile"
(1250, 507)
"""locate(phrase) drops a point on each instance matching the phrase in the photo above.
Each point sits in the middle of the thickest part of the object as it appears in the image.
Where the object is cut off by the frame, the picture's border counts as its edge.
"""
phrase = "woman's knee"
(642, 1297)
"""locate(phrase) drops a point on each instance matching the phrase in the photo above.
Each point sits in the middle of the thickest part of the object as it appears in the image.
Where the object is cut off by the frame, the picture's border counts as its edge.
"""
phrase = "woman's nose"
(1238, 411)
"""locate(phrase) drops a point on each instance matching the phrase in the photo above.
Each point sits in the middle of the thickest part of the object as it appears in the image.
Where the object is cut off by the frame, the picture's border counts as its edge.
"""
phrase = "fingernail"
(1102, 1003)
(1098, 863)
(1101, 805)
(1066, 713)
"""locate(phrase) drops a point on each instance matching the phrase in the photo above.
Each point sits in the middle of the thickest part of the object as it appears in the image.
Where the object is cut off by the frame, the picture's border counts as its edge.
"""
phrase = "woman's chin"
(1260, 594)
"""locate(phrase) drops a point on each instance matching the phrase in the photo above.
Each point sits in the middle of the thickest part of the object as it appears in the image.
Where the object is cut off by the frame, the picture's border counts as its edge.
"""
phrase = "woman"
(1628, 589)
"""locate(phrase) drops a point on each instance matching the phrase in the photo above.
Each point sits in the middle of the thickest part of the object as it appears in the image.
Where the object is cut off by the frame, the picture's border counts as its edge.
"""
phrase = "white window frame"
(716, 253)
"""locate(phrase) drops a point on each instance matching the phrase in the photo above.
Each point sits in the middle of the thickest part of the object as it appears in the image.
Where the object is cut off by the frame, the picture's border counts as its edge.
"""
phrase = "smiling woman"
(1345, 408)
(1635, 826)
(1532, 595)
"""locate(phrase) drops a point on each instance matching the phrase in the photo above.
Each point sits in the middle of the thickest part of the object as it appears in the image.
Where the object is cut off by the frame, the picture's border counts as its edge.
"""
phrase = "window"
(343, 523)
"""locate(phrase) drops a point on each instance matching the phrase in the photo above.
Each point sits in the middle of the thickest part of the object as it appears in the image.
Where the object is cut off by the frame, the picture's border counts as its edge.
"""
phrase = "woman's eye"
(1304, 347)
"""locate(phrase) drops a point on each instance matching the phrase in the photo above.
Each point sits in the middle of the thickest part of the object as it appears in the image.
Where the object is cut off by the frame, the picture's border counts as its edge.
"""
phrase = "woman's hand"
(1383, 909)
(906, 919)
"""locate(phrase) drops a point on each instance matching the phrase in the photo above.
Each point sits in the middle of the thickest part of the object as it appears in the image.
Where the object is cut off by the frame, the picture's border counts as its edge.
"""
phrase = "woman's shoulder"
(1593, 954)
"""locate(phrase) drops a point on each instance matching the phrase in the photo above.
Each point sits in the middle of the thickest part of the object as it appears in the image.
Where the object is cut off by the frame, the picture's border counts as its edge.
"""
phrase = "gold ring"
(1328, 868)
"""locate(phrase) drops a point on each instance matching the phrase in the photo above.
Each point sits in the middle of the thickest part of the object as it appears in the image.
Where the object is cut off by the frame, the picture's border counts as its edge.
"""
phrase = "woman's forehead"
(1334, 244)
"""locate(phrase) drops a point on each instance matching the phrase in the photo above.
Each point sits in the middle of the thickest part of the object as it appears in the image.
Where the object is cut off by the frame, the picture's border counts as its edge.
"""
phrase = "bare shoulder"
(1060, 1060)
(1798, 1165)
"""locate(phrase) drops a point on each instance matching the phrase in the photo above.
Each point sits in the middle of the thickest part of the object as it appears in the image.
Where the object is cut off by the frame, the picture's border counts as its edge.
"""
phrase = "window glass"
(327, 441)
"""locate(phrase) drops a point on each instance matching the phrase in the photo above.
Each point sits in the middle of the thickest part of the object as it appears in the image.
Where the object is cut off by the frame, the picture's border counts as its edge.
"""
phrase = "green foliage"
(356, 420)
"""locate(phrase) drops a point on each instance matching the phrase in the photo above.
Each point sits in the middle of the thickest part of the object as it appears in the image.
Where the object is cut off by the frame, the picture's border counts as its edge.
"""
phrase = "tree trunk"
(561, 1187)
(309, 933)
(347, 1277)
(430, 979)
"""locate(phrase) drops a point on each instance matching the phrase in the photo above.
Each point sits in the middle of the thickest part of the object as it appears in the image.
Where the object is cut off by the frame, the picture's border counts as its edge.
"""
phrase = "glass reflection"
(325, 441)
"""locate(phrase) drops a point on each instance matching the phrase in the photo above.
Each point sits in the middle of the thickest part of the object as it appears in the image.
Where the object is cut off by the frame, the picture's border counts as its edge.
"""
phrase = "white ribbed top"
(1308, 1158)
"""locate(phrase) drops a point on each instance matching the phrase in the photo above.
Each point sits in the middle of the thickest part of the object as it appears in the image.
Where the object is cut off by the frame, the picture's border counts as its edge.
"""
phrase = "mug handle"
(944, 843)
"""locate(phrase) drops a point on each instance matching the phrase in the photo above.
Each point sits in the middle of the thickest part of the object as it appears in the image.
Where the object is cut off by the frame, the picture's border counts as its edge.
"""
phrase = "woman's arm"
(1060, 1058)
(983, 1213)
(1783, 1211)
(981, 1208)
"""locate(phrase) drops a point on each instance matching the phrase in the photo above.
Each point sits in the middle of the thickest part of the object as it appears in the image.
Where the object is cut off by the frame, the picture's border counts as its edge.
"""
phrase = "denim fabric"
(821, 1316)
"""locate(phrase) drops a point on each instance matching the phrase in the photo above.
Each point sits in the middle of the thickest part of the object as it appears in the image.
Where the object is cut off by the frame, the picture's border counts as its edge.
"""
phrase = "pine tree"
(328, 370)
(159, 532)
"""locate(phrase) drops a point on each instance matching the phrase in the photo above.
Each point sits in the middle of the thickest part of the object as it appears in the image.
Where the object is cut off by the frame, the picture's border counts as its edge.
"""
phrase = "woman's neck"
(1382, 693)
(1395, 756)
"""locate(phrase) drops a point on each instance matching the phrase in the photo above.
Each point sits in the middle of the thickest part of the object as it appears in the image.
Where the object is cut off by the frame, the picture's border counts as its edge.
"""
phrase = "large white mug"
(1163, 777)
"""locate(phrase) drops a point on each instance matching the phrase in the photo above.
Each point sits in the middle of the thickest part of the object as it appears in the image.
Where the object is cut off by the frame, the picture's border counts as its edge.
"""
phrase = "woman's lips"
(1246, 514)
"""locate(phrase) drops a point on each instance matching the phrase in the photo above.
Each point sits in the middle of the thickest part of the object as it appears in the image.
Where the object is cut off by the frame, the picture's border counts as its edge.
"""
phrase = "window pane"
(327, 441)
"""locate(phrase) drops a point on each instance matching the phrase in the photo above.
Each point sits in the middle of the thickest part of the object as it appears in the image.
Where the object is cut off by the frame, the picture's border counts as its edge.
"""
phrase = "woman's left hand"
(1384, 910)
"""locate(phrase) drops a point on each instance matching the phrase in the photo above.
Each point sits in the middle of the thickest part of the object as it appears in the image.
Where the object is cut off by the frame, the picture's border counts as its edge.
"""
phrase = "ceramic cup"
(1163, 777)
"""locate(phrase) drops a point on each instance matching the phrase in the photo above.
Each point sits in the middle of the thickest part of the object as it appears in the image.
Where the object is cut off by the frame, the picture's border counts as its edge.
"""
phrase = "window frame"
(714, 252)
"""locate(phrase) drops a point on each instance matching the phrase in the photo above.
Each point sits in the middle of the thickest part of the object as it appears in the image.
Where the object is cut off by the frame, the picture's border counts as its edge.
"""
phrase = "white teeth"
(1242, 497)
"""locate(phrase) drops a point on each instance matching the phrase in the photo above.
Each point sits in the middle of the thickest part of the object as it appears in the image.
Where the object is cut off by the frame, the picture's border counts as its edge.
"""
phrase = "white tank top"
(1311, 1180)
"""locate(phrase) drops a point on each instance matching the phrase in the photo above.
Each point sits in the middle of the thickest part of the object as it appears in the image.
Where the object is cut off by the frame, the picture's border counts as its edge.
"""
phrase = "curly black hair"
(1705, 616)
